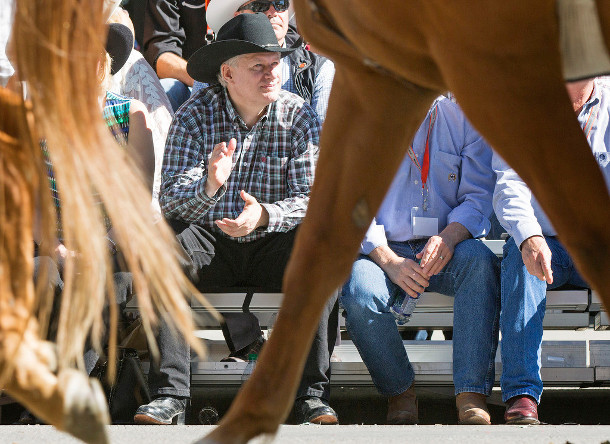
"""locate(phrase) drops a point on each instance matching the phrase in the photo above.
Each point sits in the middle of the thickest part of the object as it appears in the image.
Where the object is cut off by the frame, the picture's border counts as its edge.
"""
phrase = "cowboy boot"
(472, 409)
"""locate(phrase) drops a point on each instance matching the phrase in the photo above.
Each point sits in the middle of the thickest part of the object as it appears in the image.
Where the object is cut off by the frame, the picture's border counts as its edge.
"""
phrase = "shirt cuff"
(477, 225)
(207, 200)
(524, 231)
(275, 217)
(374, 237)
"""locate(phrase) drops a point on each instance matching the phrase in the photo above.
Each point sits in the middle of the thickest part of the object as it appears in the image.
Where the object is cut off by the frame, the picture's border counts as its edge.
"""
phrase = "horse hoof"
(85, 407)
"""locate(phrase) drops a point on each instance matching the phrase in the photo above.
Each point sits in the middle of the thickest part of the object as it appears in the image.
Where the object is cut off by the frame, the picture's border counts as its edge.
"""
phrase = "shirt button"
(415, 182)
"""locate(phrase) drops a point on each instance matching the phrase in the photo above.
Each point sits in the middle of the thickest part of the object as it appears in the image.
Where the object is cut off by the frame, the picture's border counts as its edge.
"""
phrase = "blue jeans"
(472, 276)
(177, 92)
(523, 307)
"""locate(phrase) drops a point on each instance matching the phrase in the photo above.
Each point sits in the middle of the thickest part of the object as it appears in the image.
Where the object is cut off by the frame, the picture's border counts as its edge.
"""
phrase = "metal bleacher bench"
(571, 362)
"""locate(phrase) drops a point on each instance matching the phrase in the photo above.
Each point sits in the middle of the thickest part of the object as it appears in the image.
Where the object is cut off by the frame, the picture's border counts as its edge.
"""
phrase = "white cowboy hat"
(220, 12)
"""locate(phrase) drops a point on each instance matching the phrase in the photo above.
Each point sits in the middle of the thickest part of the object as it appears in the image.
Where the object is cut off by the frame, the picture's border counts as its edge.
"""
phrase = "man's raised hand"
(220, 165)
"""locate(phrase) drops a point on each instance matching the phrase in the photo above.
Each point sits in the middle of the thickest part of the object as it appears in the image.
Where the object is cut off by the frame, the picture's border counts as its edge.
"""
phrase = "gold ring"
(441, 257)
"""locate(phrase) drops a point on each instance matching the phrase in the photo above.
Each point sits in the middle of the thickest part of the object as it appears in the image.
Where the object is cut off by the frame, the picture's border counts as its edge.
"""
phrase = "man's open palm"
(220, 166)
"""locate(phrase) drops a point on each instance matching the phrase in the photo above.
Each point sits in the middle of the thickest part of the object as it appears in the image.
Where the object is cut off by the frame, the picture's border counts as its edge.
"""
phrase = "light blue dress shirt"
(517, 209)
(460, 181)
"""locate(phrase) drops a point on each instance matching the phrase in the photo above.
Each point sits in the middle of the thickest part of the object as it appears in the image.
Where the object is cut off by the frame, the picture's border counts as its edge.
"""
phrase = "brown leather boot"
(402, 409)
(472, 409)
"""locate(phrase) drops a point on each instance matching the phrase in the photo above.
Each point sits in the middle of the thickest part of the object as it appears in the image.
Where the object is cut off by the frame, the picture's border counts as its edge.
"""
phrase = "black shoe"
(165, 410)
(241, 355)
(314, 410)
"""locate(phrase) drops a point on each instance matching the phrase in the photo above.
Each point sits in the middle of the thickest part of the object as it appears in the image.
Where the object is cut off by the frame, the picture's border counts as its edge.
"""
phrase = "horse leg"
(28, 364)
(355, 168)
(70, 400)
(522, 108)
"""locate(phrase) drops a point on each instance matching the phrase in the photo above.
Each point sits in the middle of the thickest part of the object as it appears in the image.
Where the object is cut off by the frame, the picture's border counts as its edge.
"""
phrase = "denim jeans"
(523, 307)
(472, 276)
(177, 92)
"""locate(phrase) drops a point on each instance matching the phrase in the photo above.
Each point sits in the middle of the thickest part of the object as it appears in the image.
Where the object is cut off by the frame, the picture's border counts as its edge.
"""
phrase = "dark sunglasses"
(263, 6)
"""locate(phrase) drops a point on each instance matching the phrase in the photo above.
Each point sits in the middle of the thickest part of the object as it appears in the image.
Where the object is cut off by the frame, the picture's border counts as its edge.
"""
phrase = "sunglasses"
(263, 6)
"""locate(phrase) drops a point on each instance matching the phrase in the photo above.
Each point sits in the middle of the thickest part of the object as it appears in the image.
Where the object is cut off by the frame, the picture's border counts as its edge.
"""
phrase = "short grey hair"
(232, 63)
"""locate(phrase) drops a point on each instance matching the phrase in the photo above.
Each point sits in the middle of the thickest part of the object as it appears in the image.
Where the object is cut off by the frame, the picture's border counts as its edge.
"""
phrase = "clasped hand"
(414, 277)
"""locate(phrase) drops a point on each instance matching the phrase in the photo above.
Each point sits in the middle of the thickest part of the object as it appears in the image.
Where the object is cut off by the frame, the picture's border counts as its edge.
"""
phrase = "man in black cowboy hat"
(239, 164)
(304, 72)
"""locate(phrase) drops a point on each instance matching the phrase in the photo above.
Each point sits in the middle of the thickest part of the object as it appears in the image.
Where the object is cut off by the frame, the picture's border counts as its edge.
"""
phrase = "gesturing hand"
(537, 258)
(253, 216)
(219, 166)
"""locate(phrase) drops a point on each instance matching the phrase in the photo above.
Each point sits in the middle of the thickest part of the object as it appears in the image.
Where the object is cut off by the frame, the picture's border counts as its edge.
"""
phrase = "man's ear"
(226, 72)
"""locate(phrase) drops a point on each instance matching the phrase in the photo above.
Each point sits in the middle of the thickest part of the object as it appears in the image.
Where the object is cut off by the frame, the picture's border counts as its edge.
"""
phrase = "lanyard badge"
(424, 222)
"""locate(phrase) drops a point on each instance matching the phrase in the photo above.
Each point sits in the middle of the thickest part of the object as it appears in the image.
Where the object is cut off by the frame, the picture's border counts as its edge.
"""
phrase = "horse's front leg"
(370, 120)
(69, 400)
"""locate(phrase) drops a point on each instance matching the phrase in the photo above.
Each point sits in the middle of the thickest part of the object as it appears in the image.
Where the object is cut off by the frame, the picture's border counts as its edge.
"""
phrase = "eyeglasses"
(263, 6)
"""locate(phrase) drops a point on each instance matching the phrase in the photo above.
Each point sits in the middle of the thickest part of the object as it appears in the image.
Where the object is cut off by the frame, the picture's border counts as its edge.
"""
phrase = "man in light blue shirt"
(535, 260)
(424, 238)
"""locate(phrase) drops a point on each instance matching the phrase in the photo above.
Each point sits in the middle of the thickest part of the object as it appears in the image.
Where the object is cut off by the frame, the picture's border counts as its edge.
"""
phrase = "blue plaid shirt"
(274, 161)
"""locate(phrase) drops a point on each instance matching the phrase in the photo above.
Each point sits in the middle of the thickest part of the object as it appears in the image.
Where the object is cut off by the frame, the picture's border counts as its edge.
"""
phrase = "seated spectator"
(239, 164)
(535, 260)
(138, 80)
(424, 238)
(129, 122)
(303, 72)
(173, 31)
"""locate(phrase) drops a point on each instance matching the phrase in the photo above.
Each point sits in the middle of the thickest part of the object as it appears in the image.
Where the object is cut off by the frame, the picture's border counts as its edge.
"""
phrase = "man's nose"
(270, 72)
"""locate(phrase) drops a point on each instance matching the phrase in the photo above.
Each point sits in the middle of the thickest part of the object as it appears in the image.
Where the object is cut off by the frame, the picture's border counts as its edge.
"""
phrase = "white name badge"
(423, 225)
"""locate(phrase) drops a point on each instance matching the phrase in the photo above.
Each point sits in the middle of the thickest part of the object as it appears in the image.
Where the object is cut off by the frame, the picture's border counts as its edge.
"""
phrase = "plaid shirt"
(116, 116)
(274, 161)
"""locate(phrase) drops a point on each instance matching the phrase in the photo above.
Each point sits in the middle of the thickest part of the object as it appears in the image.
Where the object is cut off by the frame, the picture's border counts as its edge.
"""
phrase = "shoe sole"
(523, 421)
(474, 420)
(325, 420)
(149, 420)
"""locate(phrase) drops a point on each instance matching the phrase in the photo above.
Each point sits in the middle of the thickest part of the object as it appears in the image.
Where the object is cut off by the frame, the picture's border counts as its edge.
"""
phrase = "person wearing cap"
(424, 237)
(239, 164)
(173, 31)
(138, 80)
(303, 72)
(535, 260)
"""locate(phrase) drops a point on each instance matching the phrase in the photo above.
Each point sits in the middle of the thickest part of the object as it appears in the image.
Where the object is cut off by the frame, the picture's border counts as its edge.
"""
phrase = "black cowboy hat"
(243, 34)
(119, 44)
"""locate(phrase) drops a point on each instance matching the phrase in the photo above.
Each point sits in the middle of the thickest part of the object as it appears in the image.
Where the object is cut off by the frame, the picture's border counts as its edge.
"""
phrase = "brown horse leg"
(68, 401)
(355, 168)
(524, 111)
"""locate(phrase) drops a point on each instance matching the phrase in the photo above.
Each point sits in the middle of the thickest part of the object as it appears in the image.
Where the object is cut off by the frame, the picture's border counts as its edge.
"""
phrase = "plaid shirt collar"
(234, 115)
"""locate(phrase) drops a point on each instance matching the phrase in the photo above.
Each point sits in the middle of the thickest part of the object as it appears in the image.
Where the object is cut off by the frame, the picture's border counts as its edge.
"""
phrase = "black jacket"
(304, 65)
(177, 26)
